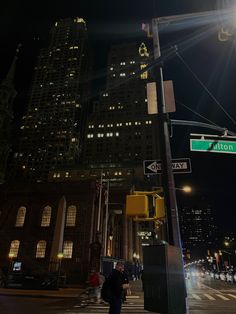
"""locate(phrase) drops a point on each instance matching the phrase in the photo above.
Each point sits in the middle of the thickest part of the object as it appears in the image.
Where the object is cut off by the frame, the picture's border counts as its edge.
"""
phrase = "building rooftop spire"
(11, 73)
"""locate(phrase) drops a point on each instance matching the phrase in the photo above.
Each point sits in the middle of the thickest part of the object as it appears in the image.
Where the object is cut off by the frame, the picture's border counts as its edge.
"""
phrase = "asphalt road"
(210, 296)
(205, 296)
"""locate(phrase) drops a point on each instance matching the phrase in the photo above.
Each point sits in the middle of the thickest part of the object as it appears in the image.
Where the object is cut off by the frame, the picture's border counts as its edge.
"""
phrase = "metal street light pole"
(165, 150)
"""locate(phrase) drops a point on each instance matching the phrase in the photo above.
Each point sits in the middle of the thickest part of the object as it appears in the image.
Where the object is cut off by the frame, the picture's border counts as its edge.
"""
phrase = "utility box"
(163, 280)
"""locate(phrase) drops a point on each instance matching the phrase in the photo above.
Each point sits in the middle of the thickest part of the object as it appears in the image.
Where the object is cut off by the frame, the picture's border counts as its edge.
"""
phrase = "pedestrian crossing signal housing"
(137, 206)
(160, 207)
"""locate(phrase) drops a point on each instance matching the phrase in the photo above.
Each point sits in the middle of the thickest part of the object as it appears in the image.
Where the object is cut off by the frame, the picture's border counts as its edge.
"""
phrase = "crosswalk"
(133, 305)
(212, 297)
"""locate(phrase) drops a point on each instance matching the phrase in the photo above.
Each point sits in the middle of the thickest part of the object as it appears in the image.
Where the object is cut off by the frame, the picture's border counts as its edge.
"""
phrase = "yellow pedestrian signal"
(159, 207)
(137, 206)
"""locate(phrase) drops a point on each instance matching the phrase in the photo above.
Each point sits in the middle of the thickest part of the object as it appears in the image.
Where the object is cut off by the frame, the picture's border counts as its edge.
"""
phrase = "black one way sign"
(182, 165)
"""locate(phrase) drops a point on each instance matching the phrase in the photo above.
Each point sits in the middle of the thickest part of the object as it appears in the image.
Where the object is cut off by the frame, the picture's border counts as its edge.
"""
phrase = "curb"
(46, 296)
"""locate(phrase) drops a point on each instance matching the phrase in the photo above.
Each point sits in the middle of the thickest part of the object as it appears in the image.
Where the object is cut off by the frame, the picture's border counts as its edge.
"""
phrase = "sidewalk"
(136, 290)
(55, 294)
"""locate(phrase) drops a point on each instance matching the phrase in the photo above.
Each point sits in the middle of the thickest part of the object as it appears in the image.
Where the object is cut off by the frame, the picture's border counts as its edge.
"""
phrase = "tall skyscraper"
(119, 131)
(7, 96)
(198, 230)
(53, 126)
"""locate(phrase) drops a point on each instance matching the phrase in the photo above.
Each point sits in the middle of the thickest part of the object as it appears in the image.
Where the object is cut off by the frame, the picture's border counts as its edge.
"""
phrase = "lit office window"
(41, 249)
(20, 218)
(71, 216)
(14, 248)
(67, 249)
(46, 216)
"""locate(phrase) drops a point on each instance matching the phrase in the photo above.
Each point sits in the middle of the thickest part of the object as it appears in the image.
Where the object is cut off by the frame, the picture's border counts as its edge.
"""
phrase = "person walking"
(94, 284)
(125, 285)
(116, 281)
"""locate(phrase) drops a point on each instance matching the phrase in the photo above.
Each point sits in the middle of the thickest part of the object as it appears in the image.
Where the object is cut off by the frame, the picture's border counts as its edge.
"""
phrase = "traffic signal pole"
(173, 232)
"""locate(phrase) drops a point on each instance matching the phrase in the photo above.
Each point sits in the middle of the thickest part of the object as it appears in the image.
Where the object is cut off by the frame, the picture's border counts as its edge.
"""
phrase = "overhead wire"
(204, 87)
(196, 113)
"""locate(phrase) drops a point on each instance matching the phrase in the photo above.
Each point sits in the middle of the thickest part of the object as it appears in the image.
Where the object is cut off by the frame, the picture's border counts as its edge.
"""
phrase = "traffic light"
(159, 208)
(137, 206)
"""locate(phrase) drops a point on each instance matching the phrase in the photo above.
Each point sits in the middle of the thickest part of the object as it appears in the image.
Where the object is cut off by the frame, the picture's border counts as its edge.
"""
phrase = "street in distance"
(180, 165)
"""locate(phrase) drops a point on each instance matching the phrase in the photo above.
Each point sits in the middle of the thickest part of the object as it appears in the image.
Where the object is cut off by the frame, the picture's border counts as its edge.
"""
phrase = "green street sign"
(213, 146)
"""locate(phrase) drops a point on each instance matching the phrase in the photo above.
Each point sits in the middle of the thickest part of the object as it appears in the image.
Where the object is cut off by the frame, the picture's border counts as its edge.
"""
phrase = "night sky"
(214, 63)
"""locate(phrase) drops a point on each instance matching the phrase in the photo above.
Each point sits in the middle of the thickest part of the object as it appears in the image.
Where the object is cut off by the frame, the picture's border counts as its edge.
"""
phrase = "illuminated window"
(67, 249)
(71, 216)
(46, 216)
(117, 134)
(122, 74)
(67, 174)
(101, 126)
(41, 249)
(109, 134)
(144, 75)
(100, 135)
(20, 218)
(14, 248)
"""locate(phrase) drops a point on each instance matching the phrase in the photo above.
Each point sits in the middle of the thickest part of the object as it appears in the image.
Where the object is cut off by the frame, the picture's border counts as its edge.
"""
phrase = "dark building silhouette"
(52, 129)
(198, 230)
(7, 96)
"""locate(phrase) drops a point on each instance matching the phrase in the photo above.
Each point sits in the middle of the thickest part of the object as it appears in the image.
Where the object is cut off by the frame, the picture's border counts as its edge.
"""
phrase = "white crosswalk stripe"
(195, 296)
(209, 297)
(128, 307)
(214, 297)
(222, 297)
(232, 296)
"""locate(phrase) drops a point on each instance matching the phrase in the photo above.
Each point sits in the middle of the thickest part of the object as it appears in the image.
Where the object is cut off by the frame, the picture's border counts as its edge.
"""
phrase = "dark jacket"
(116, 281)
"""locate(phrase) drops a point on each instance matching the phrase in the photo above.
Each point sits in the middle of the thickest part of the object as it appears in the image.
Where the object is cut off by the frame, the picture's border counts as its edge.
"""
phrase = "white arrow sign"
(178, 166)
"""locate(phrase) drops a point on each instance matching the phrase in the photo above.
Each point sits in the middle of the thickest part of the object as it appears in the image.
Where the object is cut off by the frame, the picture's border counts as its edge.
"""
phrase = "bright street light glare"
(187, 189)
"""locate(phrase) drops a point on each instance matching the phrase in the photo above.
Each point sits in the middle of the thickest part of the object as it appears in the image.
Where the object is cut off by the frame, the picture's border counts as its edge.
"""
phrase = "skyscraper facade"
(119, 132)
(198, 230)
(52, 128)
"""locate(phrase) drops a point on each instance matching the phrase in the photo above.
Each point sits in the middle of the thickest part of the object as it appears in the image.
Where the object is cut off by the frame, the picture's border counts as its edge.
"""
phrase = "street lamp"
(226, 243)
(11, 256)
(60, 256)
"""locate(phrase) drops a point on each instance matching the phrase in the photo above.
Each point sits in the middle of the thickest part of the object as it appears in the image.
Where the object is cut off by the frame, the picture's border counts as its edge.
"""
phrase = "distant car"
(217, 275)
(187, 274)
(234, 277)
(230, 276)
(223, 276)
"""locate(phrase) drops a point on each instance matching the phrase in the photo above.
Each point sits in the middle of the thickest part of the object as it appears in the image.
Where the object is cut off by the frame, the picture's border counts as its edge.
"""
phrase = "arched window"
(41, 249)
(14, 248)
(71, 216)
(20, 218)
(46, 216)
(67, 249)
